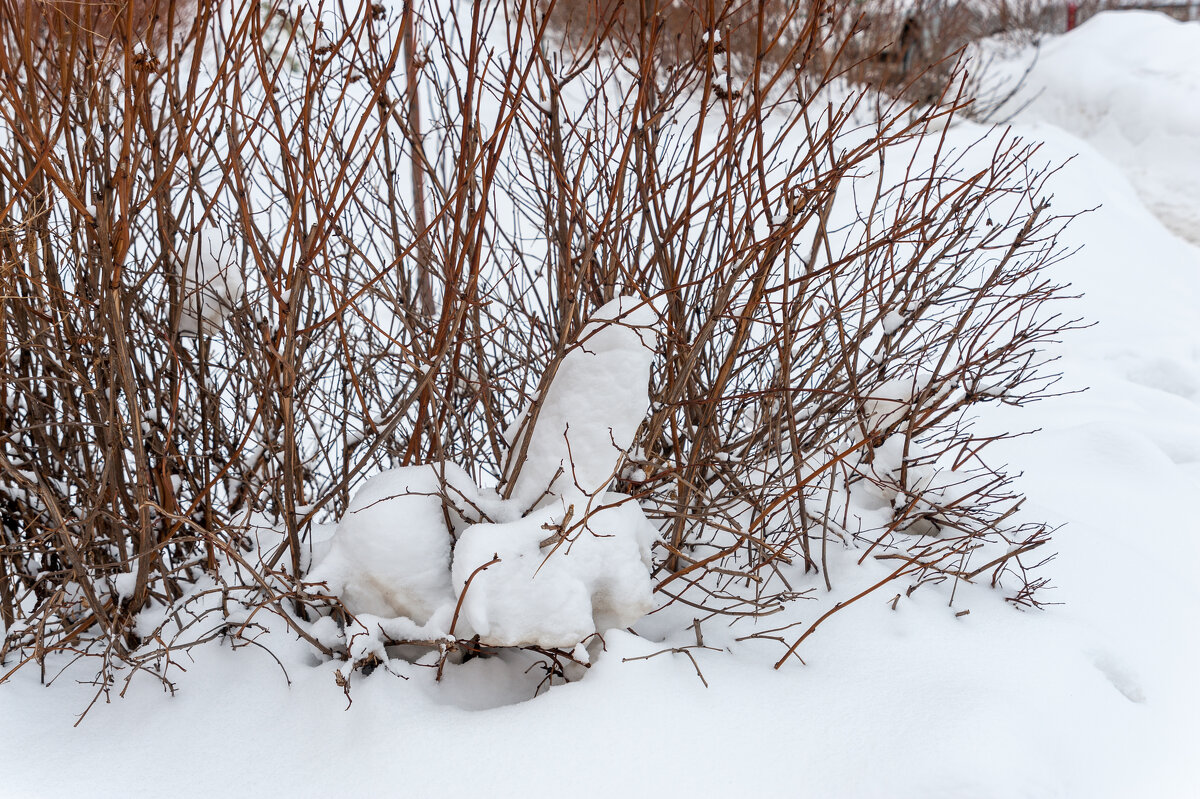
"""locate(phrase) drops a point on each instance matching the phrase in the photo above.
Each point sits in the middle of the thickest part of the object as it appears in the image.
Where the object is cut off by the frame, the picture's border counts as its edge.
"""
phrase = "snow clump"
(592, 408)
(390, 554)
(559, 561)
(212, 284)
(555, 590)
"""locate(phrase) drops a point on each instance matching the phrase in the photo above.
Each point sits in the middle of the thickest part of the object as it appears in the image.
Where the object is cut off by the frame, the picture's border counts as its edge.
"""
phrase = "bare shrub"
(249, 261)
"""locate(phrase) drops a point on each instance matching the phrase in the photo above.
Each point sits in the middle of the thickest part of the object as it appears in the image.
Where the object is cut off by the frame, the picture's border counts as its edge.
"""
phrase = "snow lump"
(390, 554)
(593, 406)
(560, 560)
(550, 589)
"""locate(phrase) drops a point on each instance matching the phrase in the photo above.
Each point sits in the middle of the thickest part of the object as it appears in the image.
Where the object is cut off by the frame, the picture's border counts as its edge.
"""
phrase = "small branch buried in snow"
(682, 650)
(905, 569)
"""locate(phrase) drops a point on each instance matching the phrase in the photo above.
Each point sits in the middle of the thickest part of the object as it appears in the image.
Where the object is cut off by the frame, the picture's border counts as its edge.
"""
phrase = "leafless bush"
(251, 255)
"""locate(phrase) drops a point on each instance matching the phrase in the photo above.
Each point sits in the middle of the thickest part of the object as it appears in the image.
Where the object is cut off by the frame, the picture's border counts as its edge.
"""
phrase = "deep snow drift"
(1094, 697)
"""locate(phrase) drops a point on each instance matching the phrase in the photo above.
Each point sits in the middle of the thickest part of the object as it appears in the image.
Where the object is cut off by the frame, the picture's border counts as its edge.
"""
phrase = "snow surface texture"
(578, 565)
(1096, 697)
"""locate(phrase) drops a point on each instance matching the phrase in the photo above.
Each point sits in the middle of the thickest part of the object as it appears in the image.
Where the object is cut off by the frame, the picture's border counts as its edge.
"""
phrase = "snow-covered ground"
(1130, 91)
(1096, 696)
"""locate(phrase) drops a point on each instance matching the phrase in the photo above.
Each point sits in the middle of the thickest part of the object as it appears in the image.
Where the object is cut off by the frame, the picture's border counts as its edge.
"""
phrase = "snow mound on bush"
(552, 591)
(576, 565)
(390, 554)
(592, 408)
(212, 284)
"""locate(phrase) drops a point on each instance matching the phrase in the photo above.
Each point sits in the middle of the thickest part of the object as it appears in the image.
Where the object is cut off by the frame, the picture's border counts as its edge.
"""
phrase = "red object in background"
(1072, 9)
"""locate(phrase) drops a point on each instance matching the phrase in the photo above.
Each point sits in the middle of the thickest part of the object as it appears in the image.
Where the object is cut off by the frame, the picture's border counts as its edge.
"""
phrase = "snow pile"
(552, 576)
(592, 408)
(552, 588)
(390, 555)
(212, 283)
(1128, 83)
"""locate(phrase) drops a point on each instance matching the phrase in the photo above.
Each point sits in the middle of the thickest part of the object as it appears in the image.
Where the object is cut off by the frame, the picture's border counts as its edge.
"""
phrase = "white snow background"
(1094, 697)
